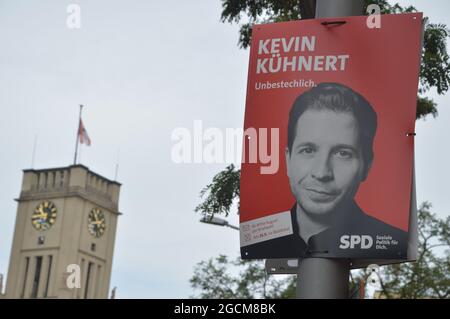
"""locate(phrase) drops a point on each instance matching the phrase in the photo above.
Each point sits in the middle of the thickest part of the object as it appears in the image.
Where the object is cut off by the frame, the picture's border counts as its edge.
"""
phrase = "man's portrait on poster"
(329, 153)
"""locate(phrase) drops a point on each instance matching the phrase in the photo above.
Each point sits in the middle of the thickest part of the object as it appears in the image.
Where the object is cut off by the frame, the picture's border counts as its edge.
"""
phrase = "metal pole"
(117, 166)
(322, 278)
(33, 156)
(232, 226)
(338, 8)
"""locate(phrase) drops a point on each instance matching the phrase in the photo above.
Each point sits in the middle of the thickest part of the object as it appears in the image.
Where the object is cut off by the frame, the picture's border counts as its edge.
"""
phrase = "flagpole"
(80, 151)
(78, 137)
(117, 166)
(33, 156)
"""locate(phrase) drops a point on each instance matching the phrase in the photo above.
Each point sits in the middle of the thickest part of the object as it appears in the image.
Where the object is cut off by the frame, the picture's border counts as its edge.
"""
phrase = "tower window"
(25, 275)
(79, 291)
(49, 272)
(88, 279)
(98, 281)
(37, 277)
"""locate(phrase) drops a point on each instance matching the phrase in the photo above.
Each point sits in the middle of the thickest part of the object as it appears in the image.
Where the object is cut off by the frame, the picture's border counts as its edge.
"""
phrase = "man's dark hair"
(339, 98)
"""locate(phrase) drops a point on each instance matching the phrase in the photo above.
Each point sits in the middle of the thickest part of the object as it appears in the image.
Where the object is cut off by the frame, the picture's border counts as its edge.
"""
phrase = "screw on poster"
(343, 98)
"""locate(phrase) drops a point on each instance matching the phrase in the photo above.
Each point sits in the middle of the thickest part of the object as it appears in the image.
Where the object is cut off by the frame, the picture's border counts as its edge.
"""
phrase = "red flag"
(83, 135)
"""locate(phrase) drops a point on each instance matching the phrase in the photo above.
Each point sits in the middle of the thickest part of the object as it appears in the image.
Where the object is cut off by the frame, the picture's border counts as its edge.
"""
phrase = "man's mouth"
(321, 195)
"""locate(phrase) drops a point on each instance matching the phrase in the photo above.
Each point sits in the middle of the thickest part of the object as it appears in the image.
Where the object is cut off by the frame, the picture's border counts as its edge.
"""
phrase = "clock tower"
(64, 234)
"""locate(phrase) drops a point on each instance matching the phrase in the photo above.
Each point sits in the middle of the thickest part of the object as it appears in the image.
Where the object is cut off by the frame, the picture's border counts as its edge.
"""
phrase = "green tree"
(435, 65)
(221, 278)
(428, 277)
(220, 193)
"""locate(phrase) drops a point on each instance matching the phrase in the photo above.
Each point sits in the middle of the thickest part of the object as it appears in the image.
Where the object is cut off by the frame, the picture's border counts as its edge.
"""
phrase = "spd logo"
(356, 241)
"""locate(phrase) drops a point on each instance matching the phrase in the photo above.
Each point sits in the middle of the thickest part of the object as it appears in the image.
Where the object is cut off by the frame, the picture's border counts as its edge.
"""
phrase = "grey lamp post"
(325, 278)
(217, 221)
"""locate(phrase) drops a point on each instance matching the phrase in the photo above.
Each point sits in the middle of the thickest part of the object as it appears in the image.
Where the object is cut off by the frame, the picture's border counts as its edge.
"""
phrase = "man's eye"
(306, 150)
(344, 154)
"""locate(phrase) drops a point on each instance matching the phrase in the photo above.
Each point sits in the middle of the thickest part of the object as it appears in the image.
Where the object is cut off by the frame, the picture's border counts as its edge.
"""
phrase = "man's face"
(325, 166)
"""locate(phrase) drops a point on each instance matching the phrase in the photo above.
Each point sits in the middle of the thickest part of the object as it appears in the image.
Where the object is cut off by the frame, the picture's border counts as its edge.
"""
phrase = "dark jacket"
(388, 242)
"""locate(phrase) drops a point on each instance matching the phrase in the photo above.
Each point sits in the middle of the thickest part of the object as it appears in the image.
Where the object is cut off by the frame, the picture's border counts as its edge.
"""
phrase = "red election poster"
(327, 165)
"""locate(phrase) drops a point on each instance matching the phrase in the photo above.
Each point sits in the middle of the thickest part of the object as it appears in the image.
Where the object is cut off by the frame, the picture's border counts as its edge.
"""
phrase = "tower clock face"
(44, 216)
(96, 222)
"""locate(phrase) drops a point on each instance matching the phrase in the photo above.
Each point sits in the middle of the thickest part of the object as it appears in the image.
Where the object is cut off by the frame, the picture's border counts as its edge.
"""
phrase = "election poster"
(327, 164)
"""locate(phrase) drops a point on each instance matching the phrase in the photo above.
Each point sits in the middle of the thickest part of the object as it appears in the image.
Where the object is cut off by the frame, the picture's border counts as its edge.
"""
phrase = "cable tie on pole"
(325, 23)
(411, 134)
(309, 252)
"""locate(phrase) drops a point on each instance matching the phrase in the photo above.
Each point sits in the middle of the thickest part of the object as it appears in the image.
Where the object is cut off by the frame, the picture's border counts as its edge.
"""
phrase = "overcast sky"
(142, 69)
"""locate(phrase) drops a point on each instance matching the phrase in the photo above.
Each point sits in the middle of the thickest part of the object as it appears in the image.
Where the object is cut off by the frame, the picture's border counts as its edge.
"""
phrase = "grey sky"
(142, 69)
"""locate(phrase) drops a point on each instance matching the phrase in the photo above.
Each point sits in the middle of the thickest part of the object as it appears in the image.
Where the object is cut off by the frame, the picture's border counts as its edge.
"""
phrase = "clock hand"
(42, 214)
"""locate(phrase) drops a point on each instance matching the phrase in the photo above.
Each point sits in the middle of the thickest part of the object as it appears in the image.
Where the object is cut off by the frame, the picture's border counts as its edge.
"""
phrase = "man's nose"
(322, 170)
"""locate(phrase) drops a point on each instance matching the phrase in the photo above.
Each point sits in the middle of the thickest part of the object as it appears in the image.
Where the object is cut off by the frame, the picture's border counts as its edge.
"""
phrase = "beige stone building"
(64, 235)
(1, 287)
